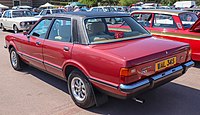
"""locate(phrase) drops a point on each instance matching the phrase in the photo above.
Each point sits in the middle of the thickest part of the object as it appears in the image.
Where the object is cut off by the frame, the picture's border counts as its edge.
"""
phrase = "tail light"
(189, 54)
(127, 75)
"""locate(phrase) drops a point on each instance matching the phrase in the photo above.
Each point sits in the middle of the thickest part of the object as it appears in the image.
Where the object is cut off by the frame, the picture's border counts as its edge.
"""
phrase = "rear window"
(109, 29)
(188, 19)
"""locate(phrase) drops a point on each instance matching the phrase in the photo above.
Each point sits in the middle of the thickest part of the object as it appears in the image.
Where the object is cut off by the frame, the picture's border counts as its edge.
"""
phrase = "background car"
(17, 20)
(175, 25)
(102, 9)
(50, 11)
(98, 58)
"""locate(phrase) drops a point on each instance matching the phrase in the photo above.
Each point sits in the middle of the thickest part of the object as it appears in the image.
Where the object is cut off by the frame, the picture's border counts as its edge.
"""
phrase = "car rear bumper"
(155, 81)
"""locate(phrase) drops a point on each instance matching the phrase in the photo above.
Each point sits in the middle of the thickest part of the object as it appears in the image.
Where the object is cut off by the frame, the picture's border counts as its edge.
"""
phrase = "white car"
(102, 9)
(17, 20)
(50, 11)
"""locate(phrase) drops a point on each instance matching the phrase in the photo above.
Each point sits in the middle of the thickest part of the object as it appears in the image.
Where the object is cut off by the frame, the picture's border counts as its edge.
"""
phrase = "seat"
(97, 32)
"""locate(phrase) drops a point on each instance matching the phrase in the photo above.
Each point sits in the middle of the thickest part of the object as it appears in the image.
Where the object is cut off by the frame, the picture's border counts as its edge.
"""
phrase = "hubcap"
(78, 89)
(14, 58)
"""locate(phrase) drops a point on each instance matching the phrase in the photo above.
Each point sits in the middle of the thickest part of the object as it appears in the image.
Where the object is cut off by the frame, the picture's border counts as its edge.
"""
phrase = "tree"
(127, 2)
(89, 2)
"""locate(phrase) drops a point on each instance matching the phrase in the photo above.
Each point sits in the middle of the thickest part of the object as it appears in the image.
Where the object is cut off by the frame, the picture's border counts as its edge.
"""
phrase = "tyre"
(80, 90)
(2, 27)
(15, 60)
(15, 29)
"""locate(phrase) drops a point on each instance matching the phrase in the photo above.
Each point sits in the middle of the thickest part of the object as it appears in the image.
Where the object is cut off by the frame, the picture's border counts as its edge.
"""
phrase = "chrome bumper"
(156, 80)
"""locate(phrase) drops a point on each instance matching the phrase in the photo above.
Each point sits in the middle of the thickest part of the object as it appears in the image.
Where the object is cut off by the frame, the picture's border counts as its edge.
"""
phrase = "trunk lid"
(143, 54)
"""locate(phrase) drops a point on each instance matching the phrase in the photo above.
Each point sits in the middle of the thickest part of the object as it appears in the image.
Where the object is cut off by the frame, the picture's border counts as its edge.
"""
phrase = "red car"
(175, 25)
(96, 59)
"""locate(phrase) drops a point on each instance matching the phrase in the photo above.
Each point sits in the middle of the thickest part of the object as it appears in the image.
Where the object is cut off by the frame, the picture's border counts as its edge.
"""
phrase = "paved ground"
(33, 92)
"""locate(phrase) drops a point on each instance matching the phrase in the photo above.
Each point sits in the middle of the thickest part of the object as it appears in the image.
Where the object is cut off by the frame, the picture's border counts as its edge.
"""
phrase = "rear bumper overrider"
(156, 80)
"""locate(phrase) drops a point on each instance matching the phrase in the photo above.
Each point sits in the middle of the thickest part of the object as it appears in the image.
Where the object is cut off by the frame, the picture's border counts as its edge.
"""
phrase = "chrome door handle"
(66, 48)
(38, 43)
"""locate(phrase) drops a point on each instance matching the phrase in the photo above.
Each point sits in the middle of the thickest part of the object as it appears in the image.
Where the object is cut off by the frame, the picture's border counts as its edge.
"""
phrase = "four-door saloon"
(17, 20)
(175, 25)
(97, 57)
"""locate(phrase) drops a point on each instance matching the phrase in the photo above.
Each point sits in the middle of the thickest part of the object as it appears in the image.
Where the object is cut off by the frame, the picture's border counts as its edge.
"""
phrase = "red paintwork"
(101, 62)
(181, 34)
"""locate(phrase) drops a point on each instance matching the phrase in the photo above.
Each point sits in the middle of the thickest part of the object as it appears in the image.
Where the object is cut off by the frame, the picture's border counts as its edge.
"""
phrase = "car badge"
(166, 52)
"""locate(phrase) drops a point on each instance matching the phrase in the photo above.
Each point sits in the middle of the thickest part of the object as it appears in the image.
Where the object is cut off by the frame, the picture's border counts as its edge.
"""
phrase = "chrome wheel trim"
(78, 89)
(14, 58)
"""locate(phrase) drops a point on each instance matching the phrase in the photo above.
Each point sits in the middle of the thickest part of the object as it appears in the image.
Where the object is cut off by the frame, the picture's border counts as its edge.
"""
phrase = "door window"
(6, 14)
(143, 19)
(61, 30)
(41, 28)
(164, 21)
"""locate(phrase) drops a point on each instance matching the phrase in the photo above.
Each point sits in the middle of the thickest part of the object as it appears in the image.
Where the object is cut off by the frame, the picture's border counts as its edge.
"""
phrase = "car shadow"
(47, 78)
(170, 99)
(197, 64)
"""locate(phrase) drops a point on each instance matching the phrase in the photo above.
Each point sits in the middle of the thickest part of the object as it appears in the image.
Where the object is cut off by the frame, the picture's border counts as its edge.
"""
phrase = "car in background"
(195, 10)
(98, 58)
(102, 9)
(50, 11)
(177, 25)
(17, 20)
(120, 8)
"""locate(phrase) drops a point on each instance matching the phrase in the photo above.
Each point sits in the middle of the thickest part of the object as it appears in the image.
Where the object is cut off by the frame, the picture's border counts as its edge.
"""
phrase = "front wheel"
(15, 60)
(2, 27)
(80, 90)
(15, 29)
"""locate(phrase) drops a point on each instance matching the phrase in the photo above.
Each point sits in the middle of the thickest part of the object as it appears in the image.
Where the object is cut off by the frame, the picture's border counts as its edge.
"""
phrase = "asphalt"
(33, 92)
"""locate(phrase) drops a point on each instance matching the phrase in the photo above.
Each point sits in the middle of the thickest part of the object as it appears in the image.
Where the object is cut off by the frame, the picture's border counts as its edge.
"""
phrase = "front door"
(58, 46)
(34, 44)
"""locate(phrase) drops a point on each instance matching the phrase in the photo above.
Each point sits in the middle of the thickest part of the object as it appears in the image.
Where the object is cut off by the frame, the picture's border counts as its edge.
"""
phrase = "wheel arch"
(70, 66)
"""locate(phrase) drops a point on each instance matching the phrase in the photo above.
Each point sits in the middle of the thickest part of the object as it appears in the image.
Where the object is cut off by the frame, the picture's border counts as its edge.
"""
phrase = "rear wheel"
(15, 29)
(15, 60)
(80, 89)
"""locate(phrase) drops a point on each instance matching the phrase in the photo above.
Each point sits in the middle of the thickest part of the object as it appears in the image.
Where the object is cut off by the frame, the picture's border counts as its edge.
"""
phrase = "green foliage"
(127, 2)
(89, 2)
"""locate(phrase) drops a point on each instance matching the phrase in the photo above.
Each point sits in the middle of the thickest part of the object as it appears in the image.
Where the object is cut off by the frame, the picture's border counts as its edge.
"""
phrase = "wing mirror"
(25, 33)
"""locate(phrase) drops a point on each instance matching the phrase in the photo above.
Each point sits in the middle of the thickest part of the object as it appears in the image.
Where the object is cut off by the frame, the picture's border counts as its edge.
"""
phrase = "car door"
(58, 46)
(163, 25)
(34, 44)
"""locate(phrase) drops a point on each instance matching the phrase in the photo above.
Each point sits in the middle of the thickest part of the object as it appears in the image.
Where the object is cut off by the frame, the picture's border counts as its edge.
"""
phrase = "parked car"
(17, 20)
(175, 25)
(120, 8)
(102, 9)
(50, 11)
(95, 56)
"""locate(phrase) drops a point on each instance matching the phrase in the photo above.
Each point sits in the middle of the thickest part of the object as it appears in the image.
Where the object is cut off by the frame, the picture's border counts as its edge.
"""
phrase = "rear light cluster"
(189, 54)
(127, 75)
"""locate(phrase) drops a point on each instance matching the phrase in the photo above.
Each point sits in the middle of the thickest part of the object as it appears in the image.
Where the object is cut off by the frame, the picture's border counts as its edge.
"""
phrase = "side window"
(44, 12)
(48, 12)
(5, 14)
(94, 9)
(100, 10)
(41, 28)
(9, 14)
(61, 30)
(143, 19)
(164, 21)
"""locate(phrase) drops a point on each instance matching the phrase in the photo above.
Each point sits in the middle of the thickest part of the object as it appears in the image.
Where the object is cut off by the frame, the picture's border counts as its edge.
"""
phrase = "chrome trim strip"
(167, 73)
(151, 80)
(103, 83)
(135, 85)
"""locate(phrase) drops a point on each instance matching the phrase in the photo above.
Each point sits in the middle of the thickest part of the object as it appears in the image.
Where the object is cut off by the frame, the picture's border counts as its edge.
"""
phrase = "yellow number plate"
(165, 63)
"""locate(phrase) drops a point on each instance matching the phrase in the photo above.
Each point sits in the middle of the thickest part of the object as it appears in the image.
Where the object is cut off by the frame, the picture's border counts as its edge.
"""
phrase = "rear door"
(58, 46)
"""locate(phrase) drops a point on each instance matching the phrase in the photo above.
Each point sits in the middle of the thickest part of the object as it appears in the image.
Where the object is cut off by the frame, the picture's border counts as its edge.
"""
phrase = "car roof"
(90, 14)
(18, 10)
(163, 11)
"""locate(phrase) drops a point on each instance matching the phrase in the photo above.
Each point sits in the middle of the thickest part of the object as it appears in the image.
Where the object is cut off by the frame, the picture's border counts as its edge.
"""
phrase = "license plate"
(165, 63)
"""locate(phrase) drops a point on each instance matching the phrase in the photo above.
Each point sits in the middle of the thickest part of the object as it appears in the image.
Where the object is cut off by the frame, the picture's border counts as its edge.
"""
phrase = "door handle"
(38, 43)
(66, 48)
